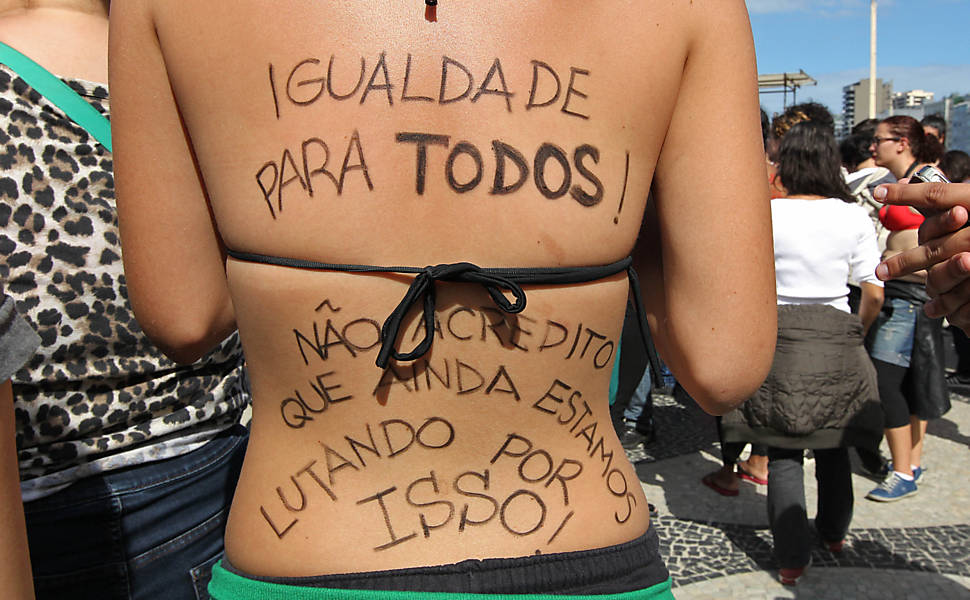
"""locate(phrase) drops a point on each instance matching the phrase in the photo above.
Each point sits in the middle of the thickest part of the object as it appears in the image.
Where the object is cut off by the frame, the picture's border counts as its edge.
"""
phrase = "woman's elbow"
(723, 382)
(726, 394)
(182, 354)
(186, 340)
(184, 327)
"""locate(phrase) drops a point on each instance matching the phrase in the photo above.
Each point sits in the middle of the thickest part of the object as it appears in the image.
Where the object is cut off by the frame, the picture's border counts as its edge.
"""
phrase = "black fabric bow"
(494, 280)
(424, 286)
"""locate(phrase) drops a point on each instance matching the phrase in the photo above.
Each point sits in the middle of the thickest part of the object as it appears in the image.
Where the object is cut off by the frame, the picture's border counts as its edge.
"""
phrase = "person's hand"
(944, 249)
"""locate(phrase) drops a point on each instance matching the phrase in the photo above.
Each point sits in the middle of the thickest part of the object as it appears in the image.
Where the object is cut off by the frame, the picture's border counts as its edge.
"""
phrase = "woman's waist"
(840, 301)
(412, 485)
(616, 569)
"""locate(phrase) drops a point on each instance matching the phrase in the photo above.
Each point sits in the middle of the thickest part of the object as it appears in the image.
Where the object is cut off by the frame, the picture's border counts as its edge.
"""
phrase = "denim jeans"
(891, 336)
(152, 531)
(786, 502)
(641, 395)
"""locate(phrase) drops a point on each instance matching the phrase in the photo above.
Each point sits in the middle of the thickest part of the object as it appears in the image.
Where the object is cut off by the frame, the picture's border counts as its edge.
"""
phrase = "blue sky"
(922, 44)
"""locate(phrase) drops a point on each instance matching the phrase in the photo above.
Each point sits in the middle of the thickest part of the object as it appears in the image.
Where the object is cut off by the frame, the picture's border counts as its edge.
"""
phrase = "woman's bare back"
(505, 135)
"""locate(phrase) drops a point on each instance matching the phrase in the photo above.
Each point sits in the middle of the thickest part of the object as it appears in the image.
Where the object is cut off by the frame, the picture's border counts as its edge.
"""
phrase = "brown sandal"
(708, 480)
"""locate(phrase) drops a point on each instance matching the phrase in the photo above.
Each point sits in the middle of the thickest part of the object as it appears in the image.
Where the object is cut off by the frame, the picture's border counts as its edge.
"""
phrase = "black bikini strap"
(653, 360)
(494, 280)
(912, 167)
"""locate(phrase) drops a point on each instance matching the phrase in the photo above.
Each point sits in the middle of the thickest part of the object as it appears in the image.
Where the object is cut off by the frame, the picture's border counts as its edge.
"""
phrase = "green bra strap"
(59, 94)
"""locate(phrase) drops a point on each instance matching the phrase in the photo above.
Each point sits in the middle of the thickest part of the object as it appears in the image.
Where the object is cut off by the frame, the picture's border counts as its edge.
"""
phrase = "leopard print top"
(97, 395)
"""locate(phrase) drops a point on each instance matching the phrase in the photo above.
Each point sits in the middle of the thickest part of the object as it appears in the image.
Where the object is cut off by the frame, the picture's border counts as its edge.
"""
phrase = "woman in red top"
(905, 345)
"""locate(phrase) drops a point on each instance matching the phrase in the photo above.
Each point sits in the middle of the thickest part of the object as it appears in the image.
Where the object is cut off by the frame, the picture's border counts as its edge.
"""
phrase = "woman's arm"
(174, 258)
(706, 248)
(870, 304)
(16, 579)
(17, 343)
(862, 265)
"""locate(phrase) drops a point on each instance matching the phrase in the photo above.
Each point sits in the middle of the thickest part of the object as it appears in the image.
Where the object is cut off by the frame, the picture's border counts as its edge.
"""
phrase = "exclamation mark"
(561, 525)
(626, 176)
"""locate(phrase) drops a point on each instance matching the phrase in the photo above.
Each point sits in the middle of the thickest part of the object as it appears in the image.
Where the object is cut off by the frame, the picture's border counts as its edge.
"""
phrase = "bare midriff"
(497, 443)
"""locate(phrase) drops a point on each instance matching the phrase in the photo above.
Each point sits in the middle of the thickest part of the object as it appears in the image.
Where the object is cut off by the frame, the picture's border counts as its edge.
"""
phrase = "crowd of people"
(162, 272)
(831, 229)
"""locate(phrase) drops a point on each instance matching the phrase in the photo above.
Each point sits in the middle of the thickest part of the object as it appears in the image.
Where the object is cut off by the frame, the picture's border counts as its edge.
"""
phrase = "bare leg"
(917, 428)
(900, 442)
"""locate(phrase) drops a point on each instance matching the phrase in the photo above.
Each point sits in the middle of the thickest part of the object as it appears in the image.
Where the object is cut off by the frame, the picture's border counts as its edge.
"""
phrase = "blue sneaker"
(893, 488)
(917, 472)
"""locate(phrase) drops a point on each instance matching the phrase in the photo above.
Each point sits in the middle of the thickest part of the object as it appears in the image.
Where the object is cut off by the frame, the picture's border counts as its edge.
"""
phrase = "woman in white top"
(821, 393)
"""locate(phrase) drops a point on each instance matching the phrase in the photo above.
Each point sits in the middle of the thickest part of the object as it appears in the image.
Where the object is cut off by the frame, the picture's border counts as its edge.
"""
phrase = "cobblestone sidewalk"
(720, 547)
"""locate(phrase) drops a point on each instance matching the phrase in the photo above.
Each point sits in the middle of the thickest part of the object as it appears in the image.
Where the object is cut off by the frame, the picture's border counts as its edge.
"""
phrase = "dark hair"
(798, 113)
(765, 128)
(936, 121)
(855, 149)
(955, 164)
(808, 162)
(909, 128)
(934, 149)
(866, 128)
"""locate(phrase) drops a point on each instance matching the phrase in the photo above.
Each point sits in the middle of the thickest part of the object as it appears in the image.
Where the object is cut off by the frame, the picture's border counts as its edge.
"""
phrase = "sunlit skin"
(51, 32)
(890, 151)
(213, 135)
(944, 249)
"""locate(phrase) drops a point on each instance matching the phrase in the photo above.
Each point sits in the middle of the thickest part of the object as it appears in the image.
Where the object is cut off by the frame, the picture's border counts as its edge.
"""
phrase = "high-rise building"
(911, 98)
(958, 125)
(855, 100)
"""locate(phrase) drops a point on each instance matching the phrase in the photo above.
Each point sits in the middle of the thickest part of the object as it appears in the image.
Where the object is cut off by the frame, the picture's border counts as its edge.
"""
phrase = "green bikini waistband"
(226, 585)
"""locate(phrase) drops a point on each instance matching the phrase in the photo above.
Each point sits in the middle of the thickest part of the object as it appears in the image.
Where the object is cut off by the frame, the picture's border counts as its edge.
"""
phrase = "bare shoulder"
(86, 34)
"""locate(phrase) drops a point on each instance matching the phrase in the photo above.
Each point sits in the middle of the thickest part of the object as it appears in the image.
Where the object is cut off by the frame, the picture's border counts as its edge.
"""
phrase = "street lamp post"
(872, 59)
